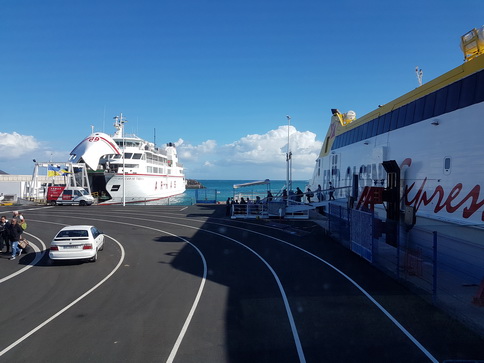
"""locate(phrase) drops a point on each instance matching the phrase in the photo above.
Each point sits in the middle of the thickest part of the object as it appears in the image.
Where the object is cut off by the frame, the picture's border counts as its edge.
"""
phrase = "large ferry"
(127, 169)
(434, 136)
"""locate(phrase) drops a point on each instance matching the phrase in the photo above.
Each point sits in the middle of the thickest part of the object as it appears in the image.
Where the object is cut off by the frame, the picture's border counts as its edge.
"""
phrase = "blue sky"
(216, 77)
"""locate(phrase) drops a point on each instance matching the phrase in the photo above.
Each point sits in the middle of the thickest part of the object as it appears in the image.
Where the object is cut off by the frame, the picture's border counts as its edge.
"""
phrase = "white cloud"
(188, 152)
(253, 156)
(13, 146)
(17, 153)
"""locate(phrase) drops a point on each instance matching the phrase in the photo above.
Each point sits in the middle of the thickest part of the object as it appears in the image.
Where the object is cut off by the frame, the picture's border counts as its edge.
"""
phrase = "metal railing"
(442, 262)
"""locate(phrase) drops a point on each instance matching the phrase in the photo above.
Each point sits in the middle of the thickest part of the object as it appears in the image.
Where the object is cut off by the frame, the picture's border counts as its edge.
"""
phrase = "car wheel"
(94, 258)
(82, 203)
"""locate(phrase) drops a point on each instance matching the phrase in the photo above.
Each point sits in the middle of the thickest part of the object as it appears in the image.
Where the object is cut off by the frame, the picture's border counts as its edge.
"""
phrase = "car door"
(98, 238)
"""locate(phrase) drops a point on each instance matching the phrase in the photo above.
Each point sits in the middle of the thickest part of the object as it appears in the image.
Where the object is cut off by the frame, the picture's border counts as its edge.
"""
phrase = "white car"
(77, 242)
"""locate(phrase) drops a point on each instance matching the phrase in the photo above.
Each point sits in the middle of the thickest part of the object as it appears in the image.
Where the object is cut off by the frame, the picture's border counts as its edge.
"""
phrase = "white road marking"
(380, 307)
(179, 340)
(190, 314)
(376, 303)
(38, 257)
(40, 326)
(295, 334)
(184, 329)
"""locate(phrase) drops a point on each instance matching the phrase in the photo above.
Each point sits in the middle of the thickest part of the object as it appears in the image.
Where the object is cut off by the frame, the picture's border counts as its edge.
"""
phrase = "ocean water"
(220, 190)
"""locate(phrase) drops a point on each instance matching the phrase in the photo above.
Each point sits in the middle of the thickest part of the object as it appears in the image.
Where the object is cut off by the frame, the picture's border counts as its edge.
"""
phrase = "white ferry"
(127, 169)
(434, 135)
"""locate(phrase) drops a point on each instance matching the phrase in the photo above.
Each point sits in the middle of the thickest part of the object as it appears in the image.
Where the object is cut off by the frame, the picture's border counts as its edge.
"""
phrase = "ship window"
(440, 100)
(386, 122)
(453, 97)
(374, 127)
(368, 128)
(359, 133)
(349, 138)
(480, 87)
(401, 116)
(394, 119)
(115, 188)
(410, 112)
(344, 137)
(339, 141)
(364, 132)
(128, 155)
(429, 106)
(447, 165)
(419, 106)
(149, 169)
(468, 89)
(381, 121)
(137, 156)
(336, 142)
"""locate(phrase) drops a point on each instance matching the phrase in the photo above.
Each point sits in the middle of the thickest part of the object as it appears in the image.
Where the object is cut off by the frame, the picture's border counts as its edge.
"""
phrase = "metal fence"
(440, 261)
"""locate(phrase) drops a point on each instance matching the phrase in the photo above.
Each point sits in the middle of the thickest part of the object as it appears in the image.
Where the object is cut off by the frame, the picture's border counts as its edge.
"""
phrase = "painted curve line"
(185, 326)
(376, 303)
(353, 282)
(292, 323)
(38, 257)
(67, 307)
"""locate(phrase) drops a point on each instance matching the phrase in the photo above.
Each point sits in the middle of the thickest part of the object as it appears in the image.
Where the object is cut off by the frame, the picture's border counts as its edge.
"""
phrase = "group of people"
(297, 196)
(319, 193)
(11, 234)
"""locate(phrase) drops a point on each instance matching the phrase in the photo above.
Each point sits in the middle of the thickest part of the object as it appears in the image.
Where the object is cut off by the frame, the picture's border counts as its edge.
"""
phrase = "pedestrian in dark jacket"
(3, 234)
(14, 232)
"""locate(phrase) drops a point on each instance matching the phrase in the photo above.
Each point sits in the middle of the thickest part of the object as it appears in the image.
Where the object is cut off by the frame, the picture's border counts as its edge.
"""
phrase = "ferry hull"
(142, 188)
(440, 156)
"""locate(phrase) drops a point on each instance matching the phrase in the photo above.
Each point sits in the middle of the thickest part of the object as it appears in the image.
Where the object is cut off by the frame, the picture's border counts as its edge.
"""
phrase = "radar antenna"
(419, 73)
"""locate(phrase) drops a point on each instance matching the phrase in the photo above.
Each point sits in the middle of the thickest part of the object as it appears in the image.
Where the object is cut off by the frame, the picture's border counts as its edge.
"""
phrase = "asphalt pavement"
(188, 284)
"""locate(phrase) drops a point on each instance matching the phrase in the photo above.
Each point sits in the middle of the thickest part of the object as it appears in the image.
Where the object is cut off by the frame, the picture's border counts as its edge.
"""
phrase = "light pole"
(288, 159)
(120, 120)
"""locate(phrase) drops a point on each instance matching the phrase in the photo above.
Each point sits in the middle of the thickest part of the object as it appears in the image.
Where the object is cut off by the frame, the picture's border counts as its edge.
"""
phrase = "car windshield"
(73, 233)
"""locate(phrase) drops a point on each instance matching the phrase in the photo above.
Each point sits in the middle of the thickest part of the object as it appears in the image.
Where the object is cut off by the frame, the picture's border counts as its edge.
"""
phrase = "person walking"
(299, 194)
(14, 232)
(309, 195)
(331, 191)
(3, 234)
(319, 193)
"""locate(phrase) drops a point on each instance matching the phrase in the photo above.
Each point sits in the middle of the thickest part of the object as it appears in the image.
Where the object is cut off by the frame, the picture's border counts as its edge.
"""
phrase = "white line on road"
(18, 341)
(38, 257)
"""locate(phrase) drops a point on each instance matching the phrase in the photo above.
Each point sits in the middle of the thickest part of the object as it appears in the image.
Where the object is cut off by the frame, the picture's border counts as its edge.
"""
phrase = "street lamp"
(120, 120)
(288, 159)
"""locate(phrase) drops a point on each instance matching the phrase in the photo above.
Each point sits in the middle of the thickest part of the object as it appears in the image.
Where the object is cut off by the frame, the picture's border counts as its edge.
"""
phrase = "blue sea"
(220, 190)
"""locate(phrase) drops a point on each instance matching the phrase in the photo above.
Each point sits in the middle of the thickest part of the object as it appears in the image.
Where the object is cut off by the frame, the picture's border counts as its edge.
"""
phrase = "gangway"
(56, 173)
